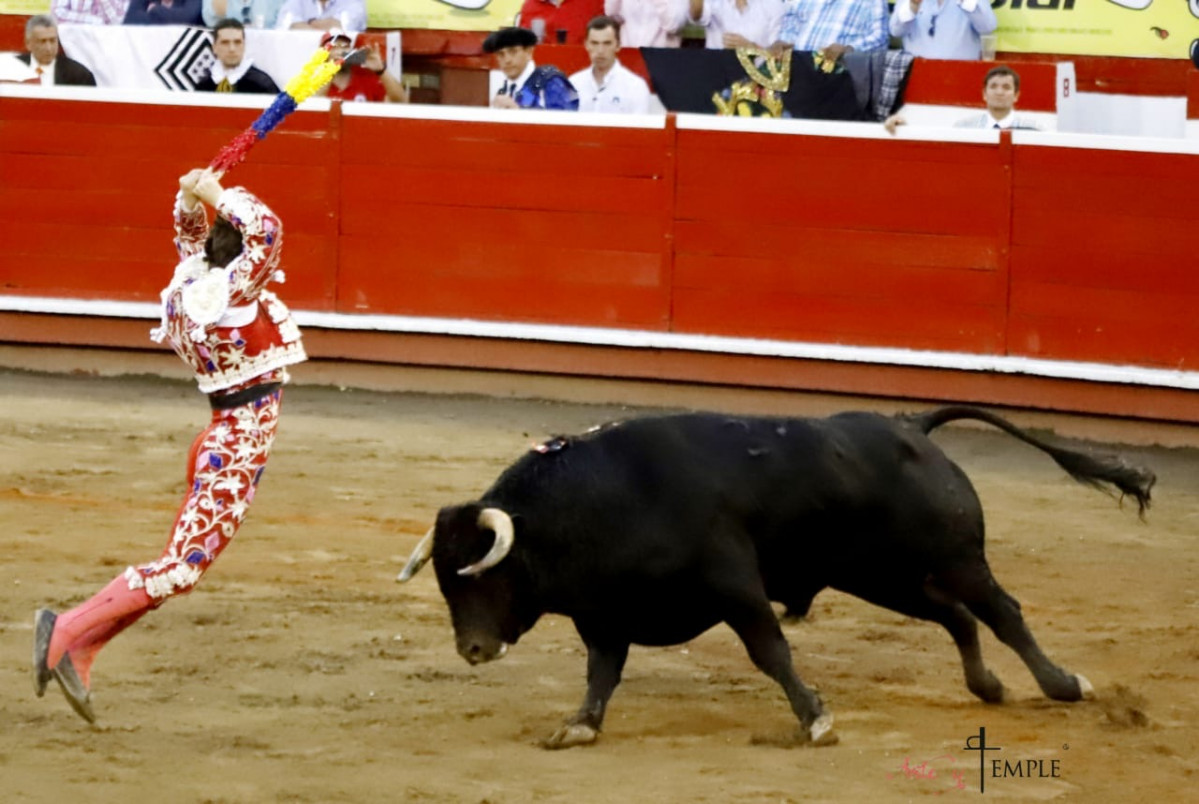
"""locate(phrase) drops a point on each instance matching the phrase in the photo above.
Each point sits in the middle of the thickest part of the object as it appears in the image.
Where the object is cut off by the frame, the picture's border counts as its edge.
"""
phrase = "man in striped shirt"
(90, 12)
(833, 27)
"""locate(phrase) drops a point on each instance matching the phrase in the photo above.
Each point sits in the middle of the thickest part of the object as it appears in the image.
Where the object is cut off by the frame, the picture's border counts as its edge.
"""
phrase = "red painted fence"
(1076, 253)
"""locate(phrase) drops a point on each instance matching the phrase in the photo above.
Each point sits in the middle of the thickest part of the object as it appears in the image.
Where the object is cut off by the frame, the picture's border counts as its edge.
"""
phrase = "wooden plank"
(555, 299)
(529, 264)
(821, 319)
(1107, 230)
(1085, 265)
(572, 150)
(900, 285)
(1132, 172)
(781, 150)
(1098, 308)
(1161, 344)
(435, 186)
(849, 209)
(368, 215)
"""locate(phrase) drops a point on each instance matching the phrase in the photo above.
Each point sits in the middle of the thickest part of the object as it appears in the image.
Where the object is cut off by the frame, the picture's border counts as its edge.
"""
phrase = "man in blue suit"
(527, 86)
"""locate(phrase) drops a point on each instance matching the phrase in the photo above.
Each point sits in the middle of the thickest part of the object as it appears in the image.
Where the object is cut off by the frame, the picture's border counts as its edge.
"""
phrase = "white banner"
(175, 56)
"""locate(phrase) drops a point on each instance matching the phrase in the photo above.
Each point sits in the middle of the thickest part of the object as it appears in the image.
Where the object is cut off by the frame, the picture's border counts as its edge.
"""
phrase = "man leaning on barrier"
(1001, 90)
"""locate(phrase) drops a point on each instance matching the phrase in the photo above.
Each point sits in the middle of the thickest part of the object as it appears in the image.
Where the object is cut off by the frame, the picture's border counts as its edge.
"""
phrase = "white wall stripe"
(639, 339)
(153, 97)
(483, 114)
(1106, 142)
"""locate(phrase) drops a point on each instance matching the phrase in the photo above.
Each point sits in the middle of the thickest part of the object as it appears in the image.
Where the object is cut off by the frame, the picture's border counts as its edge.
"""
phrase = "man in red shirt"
(559, 21)
(370, 82)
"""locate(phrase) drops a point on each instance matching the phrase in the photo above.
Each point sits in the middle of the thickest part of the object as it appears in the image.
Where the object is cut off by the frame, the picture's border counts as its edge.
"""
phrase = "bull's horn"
(501, 523)
(420, 557)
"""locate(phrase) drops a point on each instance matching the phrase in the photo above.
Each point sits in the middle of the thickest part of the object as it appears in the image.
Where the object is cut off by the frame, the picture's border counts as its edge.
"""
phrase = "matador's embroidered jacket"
(222, 322)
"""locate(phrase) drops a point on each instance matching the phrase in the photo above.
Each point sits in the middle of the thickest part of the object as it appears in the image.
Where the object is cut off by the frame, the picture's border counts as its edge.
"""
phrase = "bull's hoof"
(1086, 692)
(989, 689)
(821, 732)
(570, 735)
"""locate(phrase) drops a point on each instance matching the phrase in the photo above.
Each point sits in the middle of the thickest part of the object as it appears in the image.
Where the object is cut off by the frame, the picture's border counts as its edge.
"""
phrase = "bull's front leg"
(605, 662)
(768, 649)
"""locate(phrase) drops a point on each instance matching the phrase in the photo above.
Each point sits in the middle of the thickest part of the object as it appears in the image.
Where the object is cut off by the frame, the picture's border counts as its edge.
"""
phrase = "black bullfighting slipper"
(78, 695)
(43, 628)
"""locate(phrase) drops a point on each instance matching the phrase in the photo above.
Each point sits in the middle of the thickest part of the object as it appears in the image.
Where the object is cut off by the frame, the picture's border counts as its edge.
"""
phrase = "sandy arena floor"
(300, 672)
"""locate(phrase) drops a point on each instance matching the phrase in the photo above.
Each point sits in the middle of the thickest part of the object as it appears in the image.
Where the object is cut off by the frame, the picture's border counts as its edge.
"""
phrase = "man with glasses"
(943, 29)
(232, 71)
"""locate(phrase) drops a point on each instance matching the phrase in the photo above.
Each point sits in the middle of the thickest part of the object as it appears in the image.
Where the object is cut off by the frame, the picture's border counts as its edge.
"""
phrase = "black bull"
(653, 530)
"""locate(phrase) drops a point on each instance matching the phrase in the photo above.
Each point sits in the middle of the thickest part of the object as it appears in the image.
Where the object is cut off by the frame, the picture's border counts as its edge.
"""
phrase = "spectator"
(527, 86)
(608, 86)
(232, 71)
(561, 21)
(370, 82)
(738, 23)
(649, 23)
(1001, 90)
(833, 27)
(943, 29)
(163, 12)
(53, 68)
(251, 13)
(90, 12)
(323, 15)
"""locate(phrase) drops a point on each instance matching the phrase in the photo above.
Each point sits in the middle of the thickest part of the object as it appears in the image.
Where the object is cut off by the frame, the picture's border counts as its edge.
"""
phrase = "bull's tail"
(1104, 472)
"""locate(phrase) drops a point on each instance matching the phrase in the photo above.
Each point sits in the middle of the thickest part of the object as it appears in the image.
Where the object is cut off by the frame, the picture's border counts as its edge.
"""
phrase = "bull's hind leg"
(977, 588)
(759, 630)
(605, 663)
(926, 602)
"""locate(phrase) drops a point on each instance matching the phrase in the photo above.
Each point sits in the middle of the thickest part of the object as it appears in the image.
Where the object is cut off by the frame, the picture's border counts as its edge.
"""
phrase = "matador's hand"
(208, 188)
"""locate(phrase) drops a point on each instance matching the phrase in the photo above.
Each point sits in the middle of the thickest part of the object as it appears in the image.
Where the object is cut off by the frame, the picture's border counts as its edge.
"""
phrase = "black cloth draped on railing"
(868, 86)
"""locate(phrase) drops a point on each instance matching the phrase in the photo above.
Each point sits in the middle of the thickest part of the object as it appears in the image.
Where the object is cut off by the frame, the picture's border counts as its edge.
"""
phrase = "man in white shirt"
(607, 85)
(1001, 90)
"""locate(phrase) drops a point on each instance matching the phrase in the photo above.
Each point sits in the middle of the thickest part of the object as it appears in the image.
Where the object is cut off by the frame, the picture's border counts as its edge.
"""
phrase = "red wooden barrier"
(829, 240)
(88, 188)
(961, 247)
(495, 221)
(1103, 262)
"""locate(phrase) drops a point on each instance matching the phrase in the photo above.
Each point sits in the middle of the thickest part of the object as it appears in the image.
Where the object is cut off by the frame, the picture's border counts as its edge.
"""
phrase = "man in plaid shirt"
(90, 12)
(833, 27)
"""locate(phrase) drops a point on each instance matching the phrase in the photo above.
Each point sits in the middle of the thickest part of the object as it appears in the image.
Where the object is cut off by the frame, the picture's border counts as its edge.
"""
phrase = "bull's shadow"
(653, 530)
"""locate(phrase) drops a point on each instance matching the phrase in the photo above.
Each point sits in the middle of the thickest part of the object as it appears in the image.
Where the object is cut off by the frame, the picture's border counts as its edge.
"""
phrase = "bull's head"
(467, 542)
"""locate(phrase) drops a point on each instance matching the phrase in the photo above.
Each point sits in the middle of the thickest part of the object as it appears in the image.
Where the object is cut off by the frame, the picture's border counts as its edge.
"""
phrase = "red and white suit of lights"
(234, 334)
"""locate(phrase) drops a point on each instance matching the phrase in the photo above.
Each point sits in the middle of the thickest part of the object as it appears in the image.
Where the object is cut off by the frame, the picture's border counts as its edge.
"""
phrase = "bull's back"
(669, 491)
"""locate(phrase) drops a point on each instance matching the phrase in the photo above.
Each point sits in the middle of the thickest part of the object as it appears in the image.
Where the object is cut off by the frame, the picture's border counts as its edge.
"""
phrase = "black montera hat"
(509, 37)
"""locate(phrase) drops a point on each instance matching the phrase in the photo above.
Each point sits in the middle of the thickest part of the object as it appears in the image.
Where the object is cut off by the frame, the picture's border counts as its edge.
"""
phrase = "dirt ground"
(299, 671)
